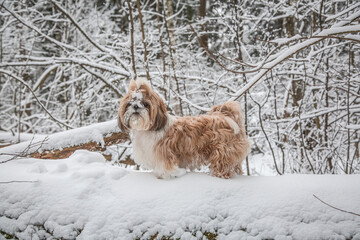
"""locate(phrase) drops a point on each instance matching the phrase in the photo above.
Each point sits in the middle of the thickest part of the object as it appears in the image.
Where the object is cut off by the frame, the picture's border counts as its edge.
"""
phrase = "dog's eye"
(145, 104)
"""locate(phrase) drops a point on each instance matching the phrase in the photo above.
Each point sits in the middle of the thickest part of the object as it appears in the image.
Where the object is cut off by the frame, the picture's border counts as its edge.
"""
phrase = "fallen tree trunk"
(95, 137)
(113, 139)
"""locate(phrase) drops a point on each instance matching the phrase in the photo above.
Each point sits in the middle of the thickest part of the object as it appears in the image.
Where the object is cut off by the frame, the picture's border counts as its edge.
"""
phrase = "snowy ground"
(85, 197)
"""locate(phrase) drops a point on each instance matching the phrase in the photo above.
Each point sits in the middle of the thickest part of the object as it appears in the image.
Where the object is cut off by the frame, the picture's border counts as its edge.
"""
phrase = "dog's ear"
(161, 115)
(132, 86)
(121, 112)
(122, 126)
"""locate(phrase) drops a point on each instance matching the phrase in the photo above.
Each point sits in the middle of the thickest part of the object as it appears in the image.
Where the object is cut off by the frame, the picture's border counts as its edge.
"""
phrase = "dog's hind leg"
(221, 165)
(238, 168)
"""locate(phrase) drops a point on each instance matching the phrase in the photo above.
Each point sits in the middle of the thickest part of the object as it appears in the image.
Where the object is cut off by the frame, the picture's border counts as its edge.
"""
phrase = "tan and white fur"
(168, 145)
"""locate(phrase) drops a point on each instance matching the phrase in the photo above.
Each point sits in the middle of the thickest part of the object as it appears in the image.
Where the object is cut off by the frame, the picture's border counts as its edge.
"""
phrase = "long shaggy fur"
(166, 143)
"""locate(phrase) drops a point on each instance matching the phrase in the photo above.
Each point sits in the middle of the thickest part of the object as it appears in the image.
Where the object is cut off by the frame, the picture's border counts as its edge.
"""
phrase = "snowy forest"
(67, 171)
(293, 65)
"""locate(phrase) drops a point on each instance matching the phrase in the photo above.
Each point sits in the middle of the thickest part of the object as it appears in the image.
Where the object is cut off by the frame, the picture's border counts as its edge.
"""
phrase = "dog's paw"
(179, 172)
(225, 175)
(162, 175)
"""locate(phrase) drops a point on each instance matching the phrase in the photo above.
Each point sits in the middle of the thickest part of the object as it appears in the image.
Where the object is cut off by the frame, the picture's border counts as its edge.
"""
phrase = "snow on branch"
(286, 53)
(273, 60)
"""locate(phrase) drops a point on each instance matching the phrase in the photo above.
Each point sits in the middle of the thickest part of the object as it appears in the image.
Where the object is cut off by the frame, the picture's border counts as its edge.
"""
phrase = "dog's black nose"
(136, 107)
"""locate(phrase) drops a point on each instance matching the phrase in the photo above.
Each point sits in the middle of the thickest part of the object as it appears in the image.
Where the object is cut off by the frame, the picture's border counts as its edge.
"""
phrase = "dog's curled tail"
(231, 110)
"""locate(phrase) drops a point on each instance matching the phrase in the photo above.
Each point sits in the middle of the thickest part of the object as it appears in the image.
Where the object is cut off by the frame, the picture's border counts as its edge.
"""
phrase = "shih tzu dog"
(168, 144)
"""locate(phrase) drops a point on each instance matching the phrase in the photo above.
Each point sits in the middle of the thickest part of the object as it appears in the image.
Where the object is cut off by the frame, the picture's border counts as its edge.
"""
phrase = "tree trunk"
(202, 15)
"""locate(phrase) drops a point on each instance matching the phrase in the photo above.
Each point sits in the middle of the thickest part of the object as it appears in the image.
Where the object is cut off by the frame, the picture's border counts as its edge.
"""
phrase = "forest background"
(294, 66)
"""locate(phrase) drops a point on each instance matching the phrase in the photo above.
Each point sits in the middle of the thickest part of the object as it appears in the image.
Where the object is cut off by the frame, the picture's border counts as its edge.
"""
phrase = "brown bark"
(170, 24)
(115, 138)
(202, 14)
(132, 39)
(143, 40)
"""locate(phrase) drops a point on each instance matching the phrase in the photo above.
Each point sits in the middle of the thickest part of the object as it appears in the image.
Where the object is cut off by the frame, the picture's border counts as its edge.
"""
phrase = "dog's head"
(141, 108)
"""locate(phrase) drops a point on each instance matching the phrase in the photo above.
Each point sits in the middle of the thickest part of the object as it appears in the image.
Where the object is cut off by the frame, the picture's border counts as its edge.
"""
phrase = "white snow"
(353, 126)
(282, 41)
(86, 198)
(7, 137)
(137, 95)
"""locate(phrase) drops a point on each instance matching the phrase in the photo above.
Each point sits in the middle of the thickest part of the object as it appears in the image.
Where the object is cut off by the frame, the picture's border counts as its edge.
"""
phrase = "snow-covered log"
(95, 137)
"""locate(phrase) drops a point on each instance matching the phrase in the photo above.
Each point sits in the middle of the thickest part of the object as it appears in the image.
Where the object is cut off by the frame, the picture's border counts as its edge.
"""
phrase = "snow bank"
(86, 198)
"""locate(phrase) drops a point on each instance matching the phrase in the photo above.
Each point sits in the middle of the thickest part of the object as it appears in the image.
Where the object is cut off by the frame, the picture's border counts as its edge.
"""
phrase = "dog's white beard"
(139, 121)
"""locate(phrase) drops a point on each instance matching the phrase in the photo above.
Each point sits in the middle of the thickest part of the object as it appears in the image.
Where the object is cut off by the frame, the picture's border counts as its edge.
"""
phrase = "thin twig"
(356, 214)
(265, 134)
(107, 83)
(19, 182)
(25, 152)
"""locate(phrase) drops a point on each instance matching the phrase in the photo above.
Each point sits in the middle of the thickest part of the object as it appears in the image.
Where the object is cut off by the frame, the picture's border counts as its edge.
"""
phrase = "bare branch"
(59, 60)
(18, 182)
(108, 84)
(25, 152)
(356, 214)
